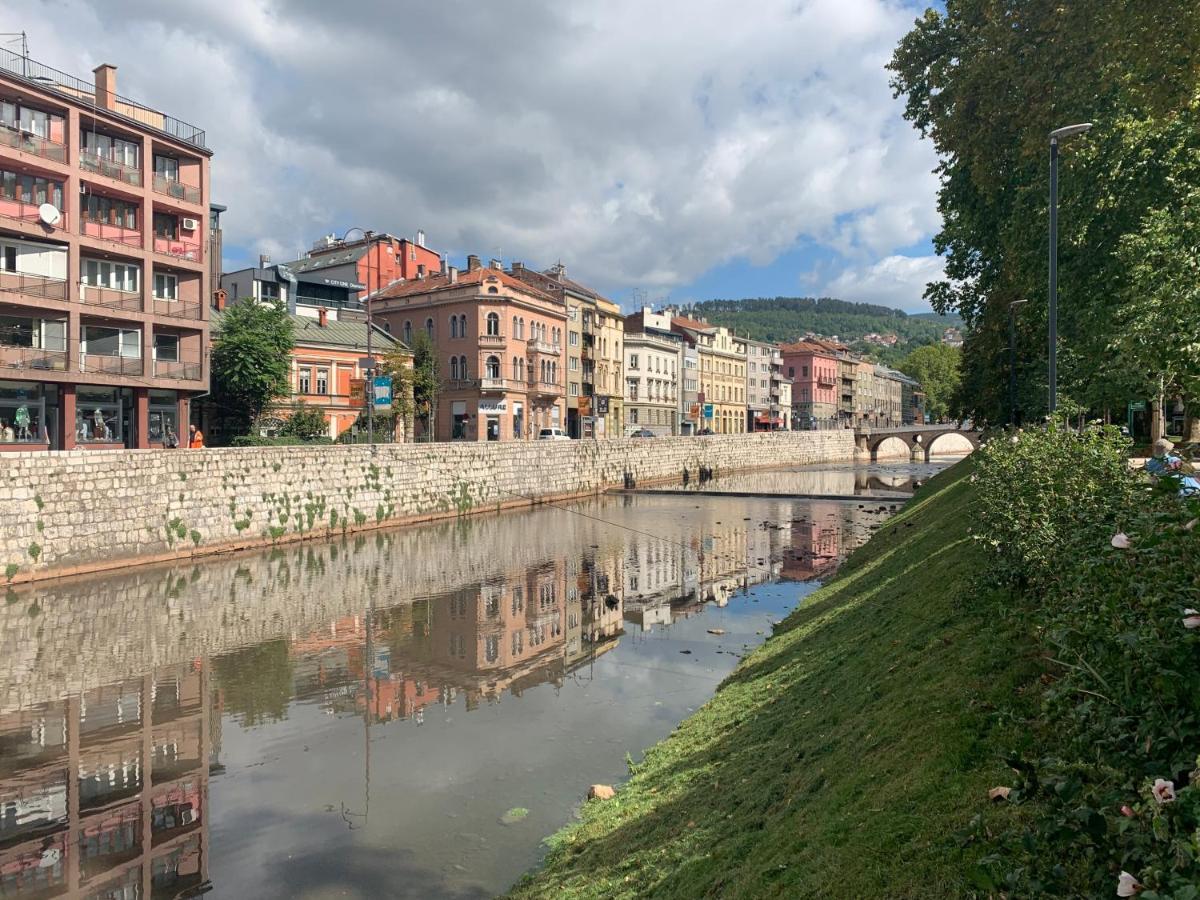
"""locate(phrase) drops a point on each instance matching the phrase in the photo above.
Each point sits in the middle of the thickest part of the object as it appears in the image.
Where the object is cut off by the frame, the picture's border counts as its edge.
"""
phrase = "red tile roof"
(693, 324)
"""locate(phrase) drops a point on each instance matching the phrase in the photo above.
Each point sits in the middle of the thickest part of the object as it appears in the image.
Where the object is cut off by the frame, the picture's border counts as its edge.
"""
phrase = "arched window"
(493, 290)
(454, 326)
(493, 325)
(408, 332)
(521, 328)
(516, 369)
(454, 368)
(462, 368)
(429, 327)
(515, 331)
(493, 367)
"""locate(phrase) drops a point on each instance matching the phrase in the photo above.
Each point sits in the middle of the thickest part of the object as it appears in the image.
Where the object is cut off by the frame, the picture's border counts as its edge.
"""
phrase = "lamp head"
(1069, 130)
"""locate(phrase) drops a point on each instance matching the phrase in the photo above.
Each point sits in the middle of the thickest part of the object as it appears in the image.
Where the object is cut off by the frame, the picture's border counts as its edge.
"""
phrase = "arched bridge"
(921, 440)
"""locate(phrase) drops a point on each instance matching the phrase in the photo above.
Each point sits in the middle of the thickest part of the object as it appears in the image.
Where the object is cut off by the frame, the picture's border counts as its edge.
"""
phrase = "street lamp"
(368, 363)
(1056, 135)
(1012, 361)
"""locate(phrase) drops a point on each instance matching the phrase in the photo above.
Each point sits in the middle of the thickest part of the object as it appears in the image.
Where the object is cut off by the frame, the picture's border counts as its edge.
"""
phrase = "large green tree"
(251, 360)
(987, 80)
(938, 368)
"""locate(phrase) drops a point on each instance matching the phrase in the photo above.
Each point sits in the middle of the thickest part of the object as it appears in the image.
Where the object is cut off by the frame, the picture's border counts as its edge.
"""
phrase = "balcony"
(170, 187)
(492, 384)
(27, 142)
(128, 237)
(110, 365)
(545, 347)
(179, 371)
(42, 287)
(98, 165)
(180, 248)
(177, 309)
(496, 341)
(546, 388)
(130, 301)
(27, 213)
(32, 358)
(825, 381)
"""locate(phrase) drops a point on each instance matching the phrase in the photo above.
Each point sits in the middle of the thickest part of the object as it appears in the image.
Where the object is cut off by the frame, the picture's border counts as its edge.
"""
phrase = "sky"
(679, 149)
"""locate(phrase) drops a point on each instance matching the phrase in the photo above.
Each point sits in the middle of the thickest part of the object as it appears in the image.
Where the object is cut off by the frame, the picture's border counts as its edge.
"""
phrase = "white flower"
(1191, 618)
(1127, 885)
(1190, 525)
(1120, 540)
(1163, 790)
(1015, 439)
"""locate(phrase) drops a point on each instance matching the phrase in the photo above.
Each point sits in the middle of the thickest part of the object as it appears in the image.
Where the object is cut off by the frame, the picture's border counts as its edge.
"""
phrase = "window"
(408, 332)
(633, 360)
(22, 412)
(103, 341)
(516, 369)
(573, 364)
(30, 189)
(521, 323)
(115, 276)
(462, 368)
(573, 338)
(163, 420)
(166, 286)
(493, 290)
(492, 367)
(166, 167)
(491, 648)
(98, 415)
(791, 371)
(322, 381)
(304, 382)
(166, 347)
(493, 325)
(454, 326)
(429, 328)
(574, 389)
(454, 368)
(166, 226)
(111, 148)
(804, 371)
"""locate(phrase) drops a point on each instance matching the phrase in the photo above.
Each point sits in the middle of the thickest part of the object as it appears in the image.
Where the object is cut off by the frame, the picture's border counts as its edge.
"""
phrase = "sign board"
(1137, 405)
(358, 387)
(708, 410)
(601, 405)
(700, 396)
(492, 406)
(694, 411)
(383, 392)
(585, 406)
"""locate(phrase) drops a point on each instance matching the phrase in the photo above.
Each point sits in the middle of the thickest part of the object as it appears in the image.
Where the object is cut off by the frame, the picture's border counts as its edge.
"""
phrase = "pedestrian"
(1165, 463)
(197, 439)
(170, 439)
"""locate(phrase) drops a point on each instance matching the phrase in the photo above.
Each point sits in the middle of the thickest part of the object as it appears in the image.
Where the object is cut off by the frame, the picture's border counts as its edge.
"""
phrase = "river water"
(398, 714)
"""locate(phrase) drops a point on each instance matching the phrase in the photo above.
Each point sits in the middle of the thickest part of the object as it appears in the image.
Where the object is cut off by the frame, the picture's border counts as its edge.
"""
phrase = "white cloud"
(896, 281)
(641, 143)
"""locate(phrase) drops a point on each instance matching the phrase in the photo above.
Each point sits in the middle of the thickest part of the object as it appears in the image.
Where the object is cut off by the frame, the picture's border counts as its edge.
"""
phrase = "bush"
(258, 440)
(307, 423)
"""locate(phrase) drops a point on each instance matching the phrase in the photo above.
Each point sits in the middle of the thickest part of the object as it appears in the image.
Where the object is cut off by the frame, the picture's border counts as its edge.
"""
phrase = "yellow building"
(722, 357)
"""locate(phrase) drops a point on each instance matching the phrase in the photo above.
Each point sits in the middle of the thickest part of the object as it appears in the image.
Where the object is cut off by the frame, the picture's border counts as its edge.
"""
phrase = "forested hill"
(783, 319)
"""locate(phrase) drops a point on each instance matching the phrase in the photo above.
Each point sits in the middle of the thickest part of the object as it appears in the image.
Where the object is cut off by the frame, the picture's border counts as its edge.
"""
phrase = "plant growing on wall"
(251, 360)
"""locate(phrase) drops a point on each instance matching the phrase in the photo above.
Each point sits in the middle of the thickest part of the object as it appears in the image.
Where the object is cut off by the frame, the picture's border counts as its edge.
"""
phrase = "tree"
(251, 361)
(425, 382)
(256, 682)
(306, 423)
(938, 368)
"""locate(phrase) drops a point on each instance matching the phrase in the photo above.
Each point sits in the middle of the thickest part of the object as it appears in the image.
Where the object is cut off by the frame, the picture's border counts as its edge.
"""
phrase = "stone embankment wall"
(74, 512)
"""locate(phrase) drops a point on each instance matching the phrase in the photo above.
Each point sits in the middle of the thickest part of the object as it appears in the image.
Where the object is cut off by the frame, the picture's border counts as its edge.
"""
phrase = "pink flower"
(1127, 811)
(1120, 540)
(1127, 885)
(1191, 618)
(1163, 790)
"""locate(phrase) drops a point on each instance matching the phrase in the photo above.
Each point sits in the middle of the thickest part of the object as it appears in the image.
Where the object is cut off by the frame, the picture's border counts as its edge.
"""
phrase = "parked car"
(643, 433)
(553, 434)
(704, 431)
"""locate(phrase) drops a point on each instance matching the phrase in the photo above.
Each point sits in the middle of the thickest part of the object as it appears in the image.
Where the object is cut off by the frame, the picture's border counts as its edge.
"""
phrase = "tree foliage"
(306, 423)
(425, 382)
(987, 81)
(938, 368)
(251, 360)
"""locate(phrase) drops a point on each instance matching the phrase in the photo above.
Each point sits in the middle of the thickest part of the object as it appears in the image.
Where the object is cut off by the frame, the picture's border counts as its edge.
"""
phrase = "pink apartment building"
(813, 370)
(500, 345)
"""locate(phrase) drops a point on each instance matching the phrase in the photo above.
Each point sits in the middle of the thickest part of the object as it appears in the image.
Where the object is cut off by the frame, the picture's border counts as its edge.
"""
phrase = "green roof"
(349, 335)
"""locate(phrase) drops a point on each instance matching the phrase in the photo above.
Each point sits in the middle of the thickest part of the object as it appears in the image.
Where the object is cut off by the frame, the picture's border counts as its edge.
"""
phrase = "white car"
(552, 434)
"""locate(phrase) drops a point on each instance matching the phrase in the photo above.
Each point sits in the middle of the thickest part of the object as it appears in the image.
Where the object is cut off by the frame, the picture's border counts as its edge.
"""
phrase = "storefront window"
(164, 418)
(98, 417)
(22, 413)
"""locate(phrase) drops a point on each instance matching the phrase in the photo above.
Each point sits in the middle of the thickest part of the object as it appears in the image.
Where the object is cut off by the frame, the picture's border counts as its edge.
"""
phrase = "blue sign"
(708, 410)
(383, 391)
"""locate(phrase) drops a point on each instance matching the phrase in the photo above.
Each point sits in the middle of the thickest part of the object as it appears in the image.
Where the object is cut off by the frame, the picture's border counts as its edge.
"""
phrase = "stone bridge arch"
(920, 441)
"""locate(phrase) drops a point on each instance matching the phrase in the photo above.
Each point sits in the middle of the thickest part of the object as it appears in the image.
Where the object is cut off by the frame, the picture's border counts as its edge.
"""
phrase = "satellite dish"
(49, 213)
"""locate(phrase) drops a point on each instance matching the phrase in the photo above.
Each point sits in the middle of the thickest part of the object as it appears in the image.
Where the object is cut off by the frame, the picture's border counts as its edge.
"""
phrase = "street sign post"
(383, 392)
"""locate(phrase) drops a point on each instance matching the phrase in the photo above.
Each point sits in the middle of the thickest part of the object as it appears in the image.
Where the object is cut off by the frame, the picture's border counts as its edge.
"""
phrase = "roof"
(554, 281)
(692, 324)
(340, 257)
(438, 282)
(349, 335)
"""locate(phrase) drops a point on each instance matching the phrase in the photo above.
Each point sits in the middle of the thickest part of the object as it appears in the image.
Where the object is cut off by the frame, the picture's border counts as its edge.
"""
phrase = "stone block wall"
(73, 512)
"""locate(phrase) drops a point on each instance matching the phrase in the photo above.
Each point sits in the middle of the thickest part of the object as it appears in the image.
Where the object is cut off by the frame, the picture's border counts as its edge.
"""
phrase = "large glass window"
(166, 287)
(166, 167)
(99, 340)
(116, 276)
(166, 226)
(30, 189)
(164, 418)
(98, 416)
(166, 347)
(115, 149)
(22, 413)
(110, 211)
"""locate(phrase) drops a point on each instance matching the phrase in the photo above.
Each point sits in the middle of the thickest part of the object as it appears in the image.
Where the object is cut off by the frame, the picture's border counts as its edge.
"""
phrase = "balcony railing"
(113, 299)
(129, 237)
(43, 287)
(180, 371)
(180, 248)
(492, 340)
(109, 168)
(32, 143)
(540, 346)
(492, 384)
(26, 212)
(546, 387)
(32, 358)
(179, 309)
(177, 189)
(110, 365)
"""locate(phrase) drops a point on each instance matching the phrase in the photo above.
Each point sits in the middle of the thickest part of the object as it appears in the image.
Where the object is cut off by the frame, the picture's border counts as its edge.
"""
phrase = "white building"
(652, 371)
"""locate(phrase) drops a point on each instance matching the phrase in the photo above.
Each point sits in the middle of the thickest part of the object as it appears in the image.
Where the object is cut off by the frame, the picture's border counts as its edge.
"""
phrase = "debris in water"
(514, 815)
(716, 631)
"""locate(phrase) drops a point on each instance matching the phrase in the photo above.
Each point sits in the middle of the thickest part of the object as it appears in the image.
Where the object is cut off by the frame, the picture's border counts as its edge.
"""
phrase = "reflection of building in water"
(824, 536)
(105, 795)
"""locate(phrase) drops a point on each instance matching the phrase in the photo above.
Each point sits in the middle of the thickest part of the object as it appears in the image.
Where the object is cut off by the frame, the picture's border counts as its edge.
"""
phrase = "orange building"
(376, 260)
(500, 345)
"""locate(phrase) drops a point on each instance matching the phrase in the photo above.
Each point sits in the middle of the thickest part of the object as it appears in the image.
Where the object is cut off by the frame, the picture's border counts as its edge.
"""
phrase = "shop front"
(27, 415)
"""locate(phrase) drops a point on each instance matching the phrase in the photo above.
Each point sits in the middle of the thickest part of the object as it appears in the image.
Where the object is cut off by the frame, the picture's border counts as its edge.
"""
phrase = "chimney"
(442, 265)
(518, 267)
(322, 316)
(106, 86)
(420, 238)
(263, 260)
(421, 270)
(453, 272)
(220, 297)
(472, 263)
(496, 264)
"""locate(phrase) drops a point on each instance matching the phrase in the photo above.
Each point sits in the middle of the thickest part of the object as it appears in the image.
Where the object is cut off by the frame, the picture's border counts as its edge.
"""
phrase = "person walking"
(197, 438)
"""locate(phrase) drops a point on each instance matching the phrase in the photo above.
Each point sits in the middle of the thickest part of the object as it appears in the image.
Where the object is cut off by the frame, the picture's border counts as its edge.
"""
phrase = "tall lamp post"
(1055, 136)
(368, 362)
(1012, 361)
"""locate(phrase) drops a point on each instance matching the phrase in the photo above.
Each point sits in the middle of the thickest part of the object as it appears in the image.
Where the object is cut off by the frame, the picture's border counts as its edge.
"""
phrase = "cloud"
(641, 143)
(896, 281)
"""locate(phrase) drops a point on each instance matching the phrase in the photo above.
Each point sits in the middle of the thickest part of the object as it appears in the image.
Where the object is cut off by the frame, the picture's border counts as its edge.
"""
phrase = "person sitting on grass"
(1165, 463)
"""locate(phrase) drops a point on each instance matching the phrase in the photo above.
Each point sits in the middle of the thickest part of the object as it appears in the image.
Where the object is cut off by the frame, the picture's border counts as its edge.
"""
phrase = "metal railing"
(546, 387)
(110, 365)
(180, 248)
(32, 143)
(12, 357)
(175, 369)
(27, 212)
(109, 168)
(177, 189)
(179, 309)
(539, 346)
(117, 234)
(43, 287)
(112, 298)
(43, 76)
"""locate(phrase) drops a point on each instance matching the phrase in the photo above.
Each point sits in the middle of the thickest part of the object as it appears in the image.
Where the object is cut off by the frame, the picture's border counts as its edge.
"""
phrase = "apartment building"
(595, 332)
(812, 367)
(889, 406)
(654, 374)
(104, 269)
(764, 379)
(374, 260)
(500, 344)
(722, 373)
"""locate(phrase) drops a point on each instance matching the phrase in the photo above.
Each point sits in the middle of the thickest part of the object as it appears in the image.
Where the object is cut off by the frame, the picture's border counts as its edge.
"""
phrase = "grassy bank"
(846, 757)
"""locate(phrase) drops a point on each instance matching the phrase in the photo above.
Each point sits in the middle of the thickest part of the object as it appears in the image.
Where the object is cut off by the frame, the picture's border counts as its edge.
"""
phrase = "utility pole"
(367, 364)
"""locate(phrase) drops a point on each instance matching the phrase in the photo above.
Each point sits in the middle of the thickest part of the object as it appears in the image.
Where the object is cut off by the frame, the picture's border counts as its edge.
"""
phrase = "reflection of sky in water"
(509, 661)
(881, 479)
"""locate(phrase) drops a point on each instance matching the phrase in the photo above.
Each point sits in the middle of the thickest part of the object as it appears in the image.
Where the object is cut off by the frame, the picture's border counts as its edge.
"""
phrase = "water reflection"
(851, 479)
(124, 702)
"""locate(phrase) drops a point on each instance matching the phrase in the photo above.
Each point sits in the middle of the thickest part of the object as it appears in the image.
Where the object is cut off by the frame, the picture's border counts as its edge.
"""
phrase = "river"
(398, 714)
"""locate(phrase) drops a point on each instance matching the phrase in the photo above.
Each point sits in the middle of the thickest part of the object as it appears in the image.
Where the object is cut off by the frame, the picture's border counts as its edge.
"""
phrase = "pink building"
(500, 346)
(812, 368)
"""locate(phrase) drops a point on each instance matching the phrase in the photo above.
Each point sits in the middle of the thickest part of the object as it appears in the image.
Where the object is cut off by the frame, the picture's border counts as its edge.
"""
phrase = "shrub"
(307, 423)
(258, 440)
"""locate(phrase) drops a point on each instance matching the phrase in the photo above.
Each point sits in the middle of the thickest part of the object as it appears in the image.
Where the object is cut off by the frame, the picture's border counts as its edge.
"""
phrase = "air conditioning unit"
(190, 224)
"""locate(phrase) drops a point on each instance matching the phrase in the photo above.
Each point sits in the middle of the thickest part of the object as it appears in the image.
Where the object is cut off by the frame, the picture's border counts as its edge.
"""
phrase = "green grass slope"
(845, 757)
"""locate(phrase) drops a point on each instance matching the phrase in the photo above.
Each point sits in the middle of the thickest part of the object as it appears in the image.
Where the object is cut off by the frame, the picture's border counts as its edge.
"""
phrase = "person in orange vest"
(197, 439)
